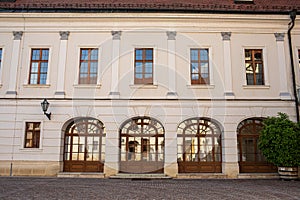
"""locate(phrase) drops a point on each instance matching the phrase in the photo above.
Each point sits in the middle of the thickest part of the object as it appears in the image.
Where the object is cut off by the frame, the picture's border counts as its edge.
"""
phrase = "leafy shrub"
(279, 141)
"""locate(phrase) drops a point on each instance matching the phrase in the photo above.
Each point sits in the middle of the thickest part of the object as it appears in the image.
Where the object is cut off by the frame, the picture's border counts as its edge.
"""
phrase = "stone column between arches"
(230, 165)
(171, 166)
(111, 165)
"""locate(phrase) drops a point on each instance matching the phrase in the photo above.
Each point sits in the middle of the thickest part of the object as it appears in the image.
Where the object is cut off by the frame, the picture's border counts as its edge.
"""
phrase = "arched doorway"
(199, 146)
(142, 146)
(250, 157)
(84, 146)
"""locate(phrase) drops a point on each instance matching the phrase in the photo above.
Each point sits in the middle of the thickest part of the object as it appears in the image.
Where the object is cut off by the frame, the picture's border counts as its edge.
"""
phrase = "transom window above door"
(143, 66)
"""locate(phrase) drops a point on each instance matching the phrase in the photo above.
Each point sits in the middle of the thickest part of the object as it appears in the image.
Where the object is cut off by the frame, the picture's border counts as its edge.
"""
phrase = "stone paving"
(79, 188)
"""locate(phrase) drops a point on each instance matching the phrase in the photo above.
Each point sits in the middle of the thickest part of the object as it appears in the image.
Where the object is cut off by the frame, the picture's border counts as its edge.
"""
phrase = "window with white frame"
(88, 67)
(199, 59)
(254, 67)
(143, 66)
(39, 66)
(32, 135)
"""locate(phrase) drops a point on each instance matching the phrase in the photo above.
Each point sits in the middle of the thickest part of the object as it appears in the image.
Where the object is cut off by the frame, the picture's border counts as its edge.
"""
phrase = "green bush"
(279, 141)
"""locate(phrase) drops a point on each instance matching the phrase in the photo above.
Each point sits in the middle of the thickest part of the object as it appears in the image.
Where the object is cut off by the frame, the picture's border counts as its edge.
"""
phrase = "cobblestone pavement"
(75, 188)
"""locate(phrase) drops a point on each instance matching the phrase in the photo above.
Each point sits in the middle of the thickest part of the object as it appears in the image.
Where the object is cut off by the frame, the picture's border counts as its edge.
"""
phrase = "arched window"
(142, 145)
(84, 145)
(199, 146)
(250, 157)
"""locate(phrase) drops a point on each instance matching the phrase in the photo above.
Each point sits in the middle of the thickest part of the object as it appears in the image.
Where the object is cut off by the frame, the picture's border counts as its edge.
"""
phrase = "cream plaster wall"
(138, 30)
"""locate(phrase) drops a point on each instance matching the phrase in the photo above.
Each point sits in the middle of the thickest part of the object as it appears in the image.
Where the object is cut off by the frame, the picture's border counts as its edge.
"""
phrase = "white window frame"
(154, 84)
(265, 66)
(22, 146)
(98, 82)
(210, 67)
(26, 82)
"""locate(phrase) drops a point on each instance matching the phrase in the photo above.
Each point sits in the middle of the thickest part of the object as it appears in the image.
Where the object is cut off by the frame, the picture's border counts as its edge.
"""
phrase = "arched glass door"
(142, 146)
(84, 146)
(199, 146)
(251, 159)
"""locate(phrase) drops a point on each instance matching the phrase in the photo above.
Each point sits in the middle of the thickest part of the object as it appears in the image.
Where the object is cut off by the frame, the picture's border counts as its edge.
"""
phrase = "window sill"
(256, 86)
(36, 85)
(31, 149)
(141, 86)
(200, 86)
(87, 86)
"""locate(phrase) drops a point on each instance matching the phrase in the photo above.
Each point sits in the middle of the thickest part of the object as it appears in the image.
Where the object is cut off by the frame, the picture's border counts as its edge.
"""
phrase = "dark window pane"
(94, 54)
(138, 67)
(44, 67)
(84, 54)
(138, 54)
(203, 54)
(45, 54)
(33, 79)
(194, 54)
(148, 68)
(35, 54)
(149, 54)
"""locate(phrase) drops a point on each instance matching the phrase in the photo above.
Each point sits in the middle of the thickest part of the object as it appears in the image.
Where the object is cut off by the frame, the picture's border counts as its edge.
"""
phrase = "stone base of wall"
(111, 169)
(29, 168)
(230, 169)
(171, 169)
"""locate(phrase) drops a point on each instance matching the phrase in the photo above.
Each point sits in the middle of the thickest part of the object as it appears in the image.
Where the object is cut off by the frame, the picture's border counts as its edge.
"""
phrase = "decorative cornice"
(279, 36)
(116, 35)
(18, 35)
(64, 35)
(226, 35)
(171, 35)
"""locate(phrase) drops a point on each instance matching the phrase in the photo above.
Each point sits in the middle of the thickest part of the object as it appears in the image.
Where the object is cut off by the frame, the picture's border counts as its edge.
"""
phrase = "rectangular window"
(143, 66)
(254, 66)
(199, 66)
(38, 66)
(88, 68)
(32, 135)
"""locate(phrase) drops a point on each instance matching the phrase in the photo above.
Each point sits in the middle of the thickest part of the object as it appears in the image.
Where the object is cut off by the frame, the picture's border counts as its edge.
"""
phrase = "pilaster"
(172, 94)
(114, 89)
(228, 93)
(62, 58)
(284, 92)
(12, 90)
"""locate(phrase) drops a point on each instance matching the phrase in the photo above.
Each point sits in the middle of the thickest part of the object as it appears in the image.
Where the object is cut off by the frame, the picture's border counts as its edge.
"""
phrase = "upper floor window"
(143, 66)
(254, 66)
(38, 66)
(199, 66)
(88, 68)
(32, 135)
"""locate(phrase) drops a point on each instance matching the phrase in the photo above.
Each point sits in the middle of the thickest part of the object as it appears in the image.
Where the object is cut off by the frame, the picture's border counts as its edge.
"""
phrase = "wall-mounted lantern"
(45, 104)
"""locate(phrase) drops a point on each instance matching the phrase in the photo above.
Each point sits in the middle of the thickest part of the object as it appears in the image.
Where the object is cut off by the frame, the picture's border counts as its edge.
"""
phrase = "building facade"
(172, 88)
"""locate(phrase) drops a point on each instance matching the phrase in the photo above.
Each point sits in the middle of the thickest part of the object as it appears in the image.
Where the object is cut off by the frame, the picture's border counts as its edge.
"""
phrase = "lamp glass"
(45, 105)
